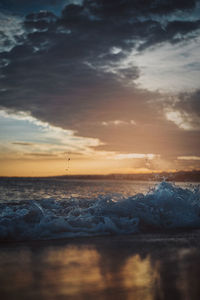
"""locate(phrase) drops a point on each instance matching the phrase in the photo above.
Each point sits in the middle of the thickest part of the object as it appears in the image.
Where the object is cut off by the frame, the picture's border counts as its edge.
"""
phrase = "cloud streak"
(53, 141)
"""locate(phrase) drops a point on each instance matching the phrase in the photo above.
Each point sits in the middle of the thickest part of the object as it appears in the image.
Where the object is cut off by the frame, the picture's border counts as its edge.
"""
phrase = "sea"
(41, 209)
(86, 239)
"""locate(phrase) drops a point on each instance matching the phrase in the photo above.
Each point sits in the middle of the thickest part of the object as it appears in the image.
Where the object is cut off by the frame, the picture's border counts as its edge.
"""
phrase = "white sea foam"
(166, 206)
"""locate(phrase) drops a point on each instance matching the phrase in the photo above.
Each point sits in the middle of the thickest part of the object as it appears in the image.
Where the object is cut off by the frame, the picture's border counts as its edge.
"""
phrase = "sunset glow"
(115, 86)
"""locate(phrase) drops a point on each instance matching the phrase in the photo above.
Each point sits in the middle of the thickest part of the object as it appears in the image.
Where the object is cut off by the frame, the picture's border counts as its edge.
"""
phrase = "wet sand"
(141, 267)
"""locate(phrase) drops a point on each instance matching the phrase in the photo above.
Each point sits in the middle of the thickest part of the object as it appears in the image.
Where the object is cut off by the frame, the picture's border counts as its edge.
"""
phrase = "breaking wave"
(166, 206)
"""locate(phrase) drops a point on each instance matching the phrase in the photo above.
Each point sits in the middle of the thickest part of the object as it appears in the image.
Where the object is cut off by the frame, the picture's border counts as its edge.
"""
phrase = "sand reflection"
(139, 276)
(76, 269)
(102, 268)
(85, 271)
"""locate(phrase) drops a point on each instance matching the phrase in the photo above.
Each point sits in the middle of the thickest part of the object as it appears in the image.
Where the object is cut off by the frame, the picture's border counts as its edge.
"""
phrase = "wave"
(166, 206)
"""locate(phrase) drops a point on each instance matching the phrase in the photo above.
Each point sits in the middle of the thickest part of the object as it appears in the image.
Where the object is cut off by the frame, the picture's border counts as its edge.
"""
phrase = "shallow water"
(144, 267)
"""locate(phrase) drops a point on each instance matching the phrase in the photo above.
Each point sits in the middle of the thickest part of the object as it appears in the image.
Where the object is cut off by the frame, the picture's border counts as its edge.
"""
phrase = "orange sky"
(35, 148)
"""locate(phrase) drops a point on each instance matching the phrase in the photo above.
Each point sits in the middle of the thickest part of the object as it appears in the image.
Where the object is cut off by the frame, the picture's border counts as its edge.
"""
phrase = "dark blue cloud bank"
(63, 61)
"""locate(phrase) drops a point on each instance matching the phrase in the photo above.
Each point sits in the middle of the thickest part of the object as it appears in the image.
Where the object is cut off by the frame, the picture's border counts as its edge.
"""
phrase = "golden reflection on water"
(83, 271)
(77, 270)
(139, 275)
(100, 271)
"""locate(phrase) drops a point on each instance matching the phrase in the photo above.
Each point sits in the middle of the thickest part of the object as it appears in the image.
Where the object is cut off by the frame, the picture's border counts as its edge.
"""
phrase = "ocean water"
(85, 240)
(46, 209)
(146, 267)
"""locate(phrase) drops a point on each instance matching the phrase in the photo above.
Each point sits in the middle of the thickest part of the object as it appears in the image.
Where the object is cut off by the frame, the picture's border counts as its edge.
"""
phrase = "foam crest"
(166, 206)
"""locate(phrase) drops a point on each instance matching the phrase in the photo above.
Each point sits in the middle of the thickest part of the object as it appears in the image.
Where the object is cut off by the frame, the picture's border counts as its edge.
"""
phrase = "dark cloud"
(173, 32)
(22, 144)
(189, 102)
(131, 8)
(24, 6)
(43, 155)
(188, 106)
(104, 7)
(64, 69)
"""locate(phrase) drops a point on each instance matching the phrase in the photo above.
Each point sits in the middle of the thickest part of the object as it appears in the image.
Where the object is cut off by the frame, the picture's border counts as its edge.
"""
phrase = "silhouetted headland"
(181, 176)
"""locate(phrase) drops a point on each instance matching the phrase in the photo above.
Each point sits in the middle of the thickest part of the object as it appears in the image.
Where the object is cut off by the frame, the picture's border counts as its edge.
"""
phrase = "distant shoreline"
(181, 176)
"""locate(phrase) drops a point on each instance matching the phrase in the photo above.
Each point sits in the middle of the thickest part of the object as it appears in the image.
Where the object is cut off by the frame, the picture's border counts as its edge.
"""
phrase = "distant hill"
(190, 176)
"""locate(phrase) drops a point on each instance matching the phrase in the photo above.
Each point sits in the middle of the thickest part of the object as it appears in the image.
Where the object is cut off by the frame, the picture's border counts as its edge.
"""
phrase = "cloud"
(43, 155)
(67, 59)
(135, 156)
(43, 137)
(118, 123)
(68, 69)
(184, 110)
(189, 102)
(167, 67)
(12, 32)
(137, 7)
(183, 121)
(188, 157)
(22, 144)
(24, 7)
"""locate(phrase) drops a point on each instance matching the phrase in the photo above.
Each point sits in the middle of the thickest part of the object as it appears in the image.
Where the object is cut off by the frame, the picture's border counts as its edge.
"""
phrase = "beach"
(148, 266)
(63, 239)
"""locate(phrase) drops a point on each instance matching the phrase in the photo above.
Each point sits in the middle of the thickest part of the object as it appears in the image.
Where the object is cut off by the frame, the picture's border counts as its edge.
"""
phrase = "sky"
(112, 85)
